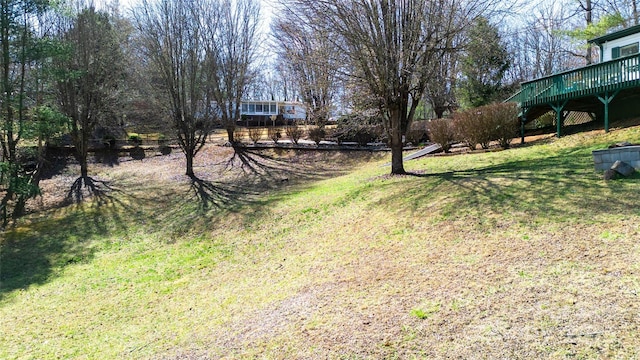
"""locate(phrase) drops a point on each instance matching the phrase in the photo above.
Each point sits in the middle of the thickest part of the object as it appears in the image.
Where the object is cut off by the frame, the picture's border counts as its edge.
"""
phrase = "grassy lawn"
(524, 253)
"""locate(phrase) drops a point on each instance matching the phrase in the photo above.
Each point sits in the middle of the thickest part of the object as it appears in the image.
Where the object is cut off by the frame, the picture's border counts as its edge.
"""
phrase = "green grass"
(524, 253)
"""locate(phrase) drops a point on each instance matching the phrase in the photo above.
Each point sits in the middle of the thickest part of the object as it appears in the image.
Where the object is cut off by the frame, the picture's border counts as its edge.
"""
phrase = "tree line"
(390, 60)
(71, 68)
(182, 67)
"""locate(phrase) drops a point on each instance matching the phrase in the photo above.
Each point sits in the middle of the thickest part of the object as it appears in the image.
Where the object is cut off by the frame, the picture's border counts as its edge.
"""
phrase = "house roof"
(616, 35)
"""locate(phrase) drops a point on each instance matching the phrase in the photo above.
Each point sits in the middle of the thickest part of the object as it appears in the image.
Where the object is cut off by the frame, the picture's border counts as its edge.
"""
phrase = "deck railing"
(590, 80)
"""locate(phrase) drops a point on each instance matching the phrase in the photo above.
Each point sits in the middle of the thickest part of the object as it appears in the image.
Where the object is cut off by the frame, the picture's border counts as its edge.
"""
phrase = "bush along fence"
(478, 126)
(360, 135)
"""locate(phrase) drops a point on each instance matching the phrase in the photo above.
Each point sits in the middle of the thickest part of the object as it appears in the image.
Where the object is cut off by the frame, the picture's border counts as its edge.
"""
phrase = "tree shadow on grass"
(275, 171)
(87, 187)
(252, 174)
(95, 209)
(247, 181)
(218, 195)
(560, 187)
(34, 253)
(265, 166)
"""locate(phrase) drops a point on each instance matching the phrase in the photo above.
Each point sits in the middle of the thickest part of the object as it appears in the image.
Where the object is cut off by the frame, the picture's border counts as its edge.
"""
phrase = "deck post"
(557, 107)
(606, 100)
(522, 121)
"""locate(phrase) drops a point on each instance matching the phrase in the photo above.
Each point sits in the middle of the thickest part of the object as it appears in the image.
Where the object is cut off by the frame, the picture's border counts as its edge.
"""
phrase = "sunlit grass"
(518, 253)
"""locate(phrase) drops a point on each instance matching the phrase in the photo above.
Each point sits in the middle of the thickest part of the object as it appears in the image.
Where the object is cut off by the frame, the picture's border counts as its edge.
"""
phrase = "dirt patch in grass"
(549, 293)
(260, 170)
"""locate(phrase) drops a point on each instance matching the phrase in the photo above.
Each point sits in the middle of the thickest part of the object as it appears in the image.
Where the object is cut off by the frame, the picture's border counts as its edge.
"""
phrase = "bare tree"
(627, 8)
(272, 81)
(441, 86)
(393, 45)
(142, 110)
(538, 48)
(231, 48)
(172, 36)
(286, 80)
(599, 20)
(88, 77)
(310, 56)
(587, 7)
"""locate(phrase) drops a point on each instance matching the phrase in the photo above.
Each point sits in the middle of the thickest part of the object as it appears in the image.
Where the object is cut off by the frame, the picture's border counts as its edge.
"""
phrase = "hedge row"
(482, 125)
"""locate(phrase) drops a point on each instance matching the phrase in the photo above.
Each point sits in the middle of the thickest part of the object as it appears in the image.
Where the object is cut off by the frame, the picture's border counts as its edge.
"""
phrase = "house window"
(244, 108)
(252, 108)
(258, 108)
(629, 49)
(273, 108)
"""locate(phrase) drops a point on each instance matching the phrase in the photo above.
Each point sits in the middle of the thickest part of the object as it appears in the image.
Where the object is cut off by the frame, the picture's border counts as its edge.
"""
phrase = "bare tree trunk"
(397, 166)
(230, 134)
(82, 150)
(7, 139)
(84, 167)
(13, 29)
(588, 8)
(189, 157)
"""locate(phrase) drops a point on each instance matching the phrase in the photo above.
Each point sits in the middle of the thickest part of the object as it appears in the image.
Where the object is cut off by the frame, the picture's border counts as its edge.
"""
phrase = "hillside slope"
(524, 253)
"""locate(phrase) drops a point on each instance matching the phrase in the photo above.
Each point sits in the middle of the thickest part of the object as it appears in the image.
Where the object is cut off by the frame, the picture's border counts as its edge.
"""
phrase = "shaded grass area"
(525, 253)
(31, 252)
(556, 187)
(34, 252)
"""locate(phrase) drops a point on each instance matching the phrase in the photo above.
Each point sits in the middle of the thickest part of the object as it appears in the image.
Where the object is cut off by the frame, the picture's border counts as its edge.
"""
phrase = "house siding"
(607, 47)
(288, 110)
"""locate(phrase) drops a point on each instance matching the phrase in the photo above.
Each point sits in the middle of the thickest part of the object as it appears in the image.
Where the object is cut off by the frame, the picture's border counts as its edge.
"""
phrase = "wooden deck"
(590, 89)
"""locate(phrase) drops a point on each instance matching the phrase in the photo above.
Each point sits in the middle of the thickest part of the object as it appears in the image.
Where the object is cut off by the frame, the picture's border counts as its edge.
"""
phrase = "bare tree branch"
(392, 47)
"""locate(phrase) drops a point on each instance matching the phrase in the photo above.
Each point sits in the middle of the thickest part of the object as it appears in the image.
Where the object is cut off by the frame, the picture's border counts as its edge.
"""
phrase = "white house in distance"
(261, 112)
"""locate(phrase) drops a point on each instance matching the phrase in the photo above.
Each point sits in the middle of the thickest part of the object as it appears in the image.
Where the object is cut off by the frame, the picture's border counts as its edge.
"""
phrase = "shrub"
(109, 141)
(238, 135)
(362, 134)
(137, 153)
(165, 149)
(333, 134)
(441, 132)
(360, 129)
(546, 120)
(367, 134)
(294, 133)
(471, 128)
(317, 134)
(417, 133)
(274, 134)
(505, 123)
(487, 123)
(255, 134)
(135, 139)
